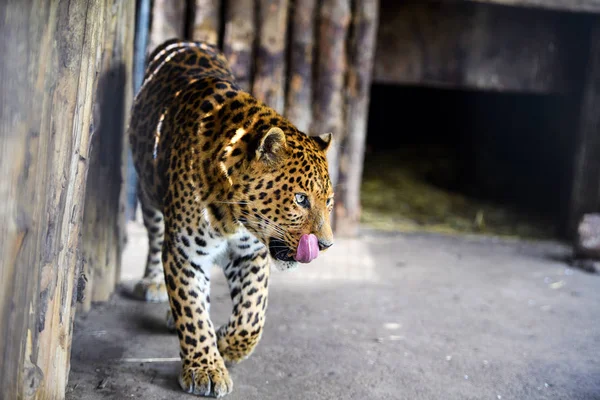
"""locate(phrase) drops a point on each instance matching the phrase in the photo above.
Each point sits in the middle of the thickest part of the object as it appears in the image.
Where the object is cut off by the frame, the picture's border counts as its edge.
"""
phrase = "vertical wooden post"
(328, 109)
(207, 21)
(22, 212)
(269, 78)
(298, 107)
(585, 194)
(238, 41)
(126, 56)
(104, 221)
(360, 66)
(168, 21)
(45, 125)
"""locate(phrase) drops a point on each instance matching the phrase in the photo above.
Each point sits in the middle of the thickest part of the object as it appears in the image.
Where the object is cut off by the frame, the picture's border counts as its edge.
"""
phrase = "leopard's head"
(287, 196)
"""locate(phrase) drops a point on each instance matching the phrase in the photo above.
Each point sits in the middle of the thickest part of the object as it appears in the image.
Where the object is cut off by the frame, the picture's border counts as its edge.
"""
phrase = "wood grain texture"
(298, 106)
(105, 197)
(479, 46)
(206, 21)
(238, 41)
(269, 76)
(168, 22)
(361, 52)
(22, 157)
(329, 102)
(46, 120)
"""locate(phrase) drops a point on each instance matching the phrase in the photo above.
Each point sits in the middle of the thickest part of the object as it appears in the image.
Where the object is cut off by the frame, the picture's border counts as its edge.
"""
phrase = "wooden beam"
(238, 42)
(104, 220)
(269, 77)
(590, 6)
(50, 191)
(206, 21)
(298, 107)
(585, 195)
(21, 153)
(360, 66)
(479, 46)
(46, 112)
(168, 22)
(328, 107)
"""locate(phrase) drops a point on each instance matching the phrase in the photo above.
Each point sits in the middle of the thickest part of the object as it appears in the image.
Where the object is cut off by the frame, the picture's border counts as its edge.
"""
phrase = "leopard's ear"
(324, 141)
(272, 146)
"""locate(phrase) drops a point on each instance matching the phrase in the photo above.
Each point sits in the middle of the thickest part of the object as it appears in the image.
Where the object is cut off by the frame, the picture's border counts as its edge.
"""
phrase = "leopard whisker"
(271, 222)
(266, 221)
(262, 225)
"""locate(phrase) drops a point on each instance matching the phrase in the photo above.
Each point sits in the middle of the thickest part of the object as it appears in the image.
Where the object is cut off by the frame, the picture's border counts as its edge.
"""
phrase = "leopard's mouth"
(280, 250)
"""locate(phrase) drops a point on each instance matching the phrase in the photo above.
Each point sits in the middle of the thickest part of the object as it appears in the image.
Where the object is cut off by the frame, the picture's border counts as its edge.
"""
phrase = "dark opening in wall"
(467, 161)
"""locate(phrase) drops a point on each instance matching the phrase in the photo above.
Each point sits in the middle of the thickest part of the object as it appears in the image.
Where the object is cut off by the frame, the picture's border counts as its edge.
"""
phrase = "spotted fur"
(224, 180)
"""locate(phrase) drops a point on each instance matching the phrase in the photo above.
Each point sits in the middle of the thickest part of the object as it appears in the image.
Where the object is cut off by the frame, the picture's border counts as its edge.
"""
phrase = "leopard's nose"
(324, 245)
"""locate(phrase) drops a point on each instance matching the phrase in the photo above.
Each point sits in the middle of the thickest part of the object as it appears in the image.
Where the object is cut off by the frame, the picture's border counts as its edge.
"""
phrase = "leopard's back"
(175, 71)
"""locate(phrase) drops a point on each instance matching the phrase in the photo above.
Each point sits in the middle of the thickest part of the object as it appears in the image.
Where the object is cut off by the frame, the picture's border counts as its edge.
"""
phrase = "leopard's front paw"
(210, 381)
(151, 290)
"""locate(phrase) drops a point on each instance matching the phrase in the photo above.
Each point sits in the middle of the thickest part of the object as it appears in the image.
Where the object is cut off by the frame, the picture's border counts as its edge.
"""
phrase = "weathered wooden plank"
(207, 21)
(269, 76)
(298, 107)
(328, 107)
(585, 195)
(127, 56)
(22, 152)
(361, 51)
(238, 41)
(45, 121)
(49, 184)
(71, 105)
(105, 197)
(57, 182)
(168, 21)
(479, 46)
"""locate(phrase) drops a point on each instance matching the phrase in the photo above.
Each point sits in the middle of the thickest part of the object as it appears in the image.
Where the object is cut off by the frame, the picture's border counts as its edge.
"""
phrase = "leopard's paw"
(209, 381)
(235, 348)
(151, 290)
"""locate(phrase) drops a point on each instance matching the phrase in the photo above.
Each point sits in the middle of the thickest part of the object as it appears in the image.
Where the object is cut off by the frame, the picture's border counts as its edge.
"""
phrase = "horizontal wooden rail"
(588, 6)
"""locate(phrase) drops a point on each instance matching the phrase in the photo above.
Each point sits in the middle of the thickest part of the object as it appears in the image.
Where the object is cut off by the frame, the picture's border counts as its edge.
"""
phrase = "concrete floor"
(381, 317)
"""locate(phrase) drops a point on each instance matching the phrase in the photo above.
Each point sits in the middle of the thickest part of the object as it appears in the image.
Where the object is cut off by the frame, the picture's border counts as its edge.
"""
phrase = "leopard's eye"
(329, 201)
(302, 200)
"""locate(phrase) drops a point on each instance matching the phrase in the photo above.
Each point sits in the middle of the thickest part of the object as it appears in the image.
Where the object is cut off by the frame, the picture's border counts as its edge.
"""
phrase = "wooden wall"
(479, 46)
(62, 102)
(314, 61)
(309, 60)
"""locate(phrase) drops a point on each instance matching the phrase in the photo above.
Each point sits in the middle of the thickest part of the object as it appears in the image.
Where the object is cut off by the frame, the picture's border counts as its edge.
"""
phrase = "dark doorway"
(467, 161)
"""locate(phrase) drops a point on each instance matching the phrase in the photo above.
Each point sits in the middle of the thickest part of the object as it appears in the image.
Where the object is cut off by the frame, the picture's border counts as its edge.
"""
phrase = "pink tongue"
(308, 248)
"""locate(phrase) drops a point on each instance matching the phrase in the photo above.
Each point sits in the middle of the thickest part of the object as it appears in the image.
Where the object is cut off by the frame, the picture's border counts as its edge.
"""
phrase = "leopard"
(223, 180)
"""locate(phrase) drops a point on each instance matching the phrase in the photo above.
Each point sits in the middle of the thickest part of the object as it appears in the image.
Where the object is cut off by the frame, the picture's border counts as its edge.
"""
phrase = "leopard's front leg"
(247, 274)
(187, 278)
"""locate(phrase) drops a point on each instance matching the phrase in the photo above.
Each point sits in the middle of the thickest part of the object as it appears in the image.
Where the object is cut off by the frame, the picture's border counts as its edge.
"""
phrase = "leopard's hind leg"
(151, 287)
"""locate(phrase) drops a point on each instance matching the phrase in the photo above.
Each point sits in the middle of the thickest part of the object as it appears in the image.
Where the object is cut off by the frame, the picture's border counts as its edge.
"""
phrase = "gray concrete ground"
(386, 316)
